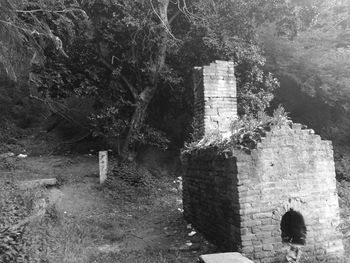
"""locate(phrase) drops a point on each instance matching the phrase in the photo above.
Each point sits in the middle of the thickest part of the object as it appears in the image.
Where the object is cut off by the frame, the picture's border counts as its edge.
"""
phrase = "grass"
(57, 238)
(16, 240)
(148, 256)
(93, 223)
(77, 240)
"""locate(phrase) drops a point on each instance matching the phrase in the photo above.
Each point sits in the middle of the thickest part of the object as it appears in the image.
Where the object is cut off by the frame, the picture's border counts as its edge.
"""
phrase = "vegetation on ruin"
(245, 133)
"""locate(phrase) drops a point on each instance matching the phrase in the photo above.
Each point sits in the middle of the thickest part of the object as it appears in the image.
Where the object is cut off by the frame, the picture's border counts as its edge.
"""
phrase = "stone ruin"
(278, 203)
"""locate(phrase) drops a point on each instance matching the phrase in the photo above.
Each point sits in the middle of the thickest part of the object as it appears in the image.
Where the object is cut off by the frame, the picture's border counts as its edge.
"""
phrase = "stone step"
(230, 257)
(28, 184)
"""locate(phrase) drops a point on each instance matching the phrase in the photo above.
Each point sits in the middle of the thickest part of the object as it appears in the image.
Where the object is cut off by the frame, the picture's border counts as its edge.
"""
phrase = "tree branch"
(21, 28)
(171, 19)
(51, 11)
(60, 109)
(160, 59)
(104, 62)
(30, 11)
(163, 17)
(132, 89)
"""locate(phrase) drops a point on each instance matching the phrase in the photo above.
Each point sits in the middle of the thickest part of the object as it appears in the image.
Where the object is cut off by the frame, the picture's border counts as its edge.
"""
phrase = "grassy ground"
(89, 223)
(86, 222)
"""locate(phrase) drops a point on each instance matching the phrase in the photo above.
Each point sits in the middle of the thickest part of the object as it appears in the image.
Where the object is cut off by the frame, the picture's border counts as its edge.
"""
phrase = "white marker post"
(103, 161)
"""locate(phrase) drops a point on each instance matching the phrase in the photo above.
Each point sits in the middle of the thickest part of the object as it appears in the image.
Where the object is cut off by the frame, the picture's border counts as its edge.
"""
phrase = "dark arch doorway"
(293, 228)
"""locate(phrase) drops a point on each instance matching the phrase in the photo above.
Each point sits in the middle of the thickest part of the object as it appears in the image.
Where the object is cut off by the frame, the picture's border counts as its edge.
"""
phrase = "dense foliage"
(318, 56)
(313, 66)
(13, 209)
(130, 62)
(27, 28)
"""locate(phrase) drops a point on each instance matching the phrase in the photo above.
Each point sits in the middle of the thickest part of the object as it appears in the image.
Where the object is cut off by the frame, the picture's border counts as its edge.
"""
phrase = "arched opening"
(293, 228)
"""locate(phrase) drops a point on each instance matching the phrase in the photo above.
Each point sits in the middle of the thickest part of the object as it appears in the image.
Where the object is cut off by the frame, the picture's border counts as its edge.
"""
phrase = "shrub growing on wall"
(246, 132)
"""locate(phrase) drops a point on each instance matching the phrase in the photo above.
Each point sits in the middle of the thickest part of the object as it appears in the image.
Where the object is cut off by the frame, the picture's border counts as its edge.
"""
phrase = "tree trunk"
(147, 94)
(135, 126)
(138, 117)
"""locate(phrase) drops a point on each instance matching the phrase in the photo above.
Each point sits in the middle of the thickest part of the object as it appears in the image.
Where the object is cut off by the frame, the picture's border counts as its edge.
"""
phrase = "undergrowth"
(131, 182)
(14, 208)
(245, 133)
(23, 238)
(148, 256)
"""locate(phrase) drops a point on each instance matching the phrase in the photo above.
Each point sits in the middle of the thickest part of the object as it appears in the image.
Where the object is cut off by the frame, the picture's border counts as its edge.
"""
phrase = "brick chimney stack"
(215, 97)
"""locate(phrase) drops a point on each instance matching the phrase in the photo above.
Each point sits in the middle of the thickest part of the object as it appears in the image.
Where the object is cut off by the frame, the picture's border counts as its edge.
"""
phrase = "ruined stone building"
(279, 197)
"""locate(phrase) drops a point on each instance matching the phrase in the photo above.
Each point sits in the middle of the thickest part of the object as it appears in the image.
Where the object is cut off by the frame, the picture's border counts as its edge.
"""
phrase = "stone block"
(268, 247)
(29, 184)
(224, 258)
(263, 235)
(264, 254)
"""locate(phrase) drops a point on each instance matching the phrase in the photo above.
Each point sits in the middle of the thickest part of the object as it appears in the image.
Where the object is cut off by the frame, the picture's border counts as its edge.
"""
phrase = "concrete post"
(103, 162)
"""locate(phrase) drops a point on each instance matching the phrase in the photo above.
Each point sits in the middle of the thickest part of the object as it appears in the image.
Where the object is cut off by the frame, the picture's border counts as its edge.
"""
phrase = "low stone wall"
(238, 202)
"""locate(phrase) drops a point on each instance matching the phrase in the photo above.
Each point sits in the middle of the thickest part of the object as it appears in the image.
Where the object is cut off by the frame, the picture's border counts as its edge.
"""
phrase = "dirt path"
(91, 226)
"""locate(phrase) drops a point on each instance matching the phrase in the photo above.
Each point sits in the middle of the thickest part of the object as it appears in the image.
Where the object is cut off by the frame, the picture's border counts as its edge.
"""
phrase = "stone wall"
(214, 96)
(238, 202)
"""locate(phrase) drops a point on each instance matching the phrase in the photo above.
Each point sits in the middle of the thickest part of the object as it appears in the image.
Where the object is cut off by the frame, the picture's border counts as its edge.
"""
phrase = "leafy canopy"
(126, 54)
(28, 27)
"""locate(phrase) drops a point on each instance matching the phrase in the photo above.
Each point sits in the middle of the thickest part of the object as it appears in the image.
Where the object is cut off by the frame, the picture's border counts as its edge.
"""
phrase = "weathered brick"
(215, 95)
(256, 242)
(245, 231)
(264, 254)
(258, 248)
(268, 247)
(263, 235)
(248, 237)
(262, 215)
(247, 249)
